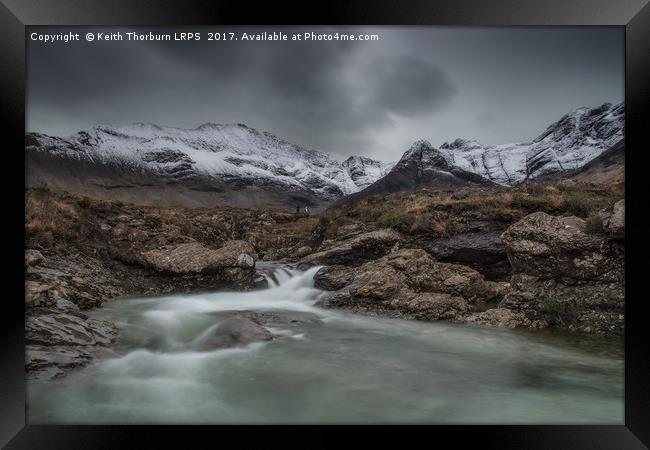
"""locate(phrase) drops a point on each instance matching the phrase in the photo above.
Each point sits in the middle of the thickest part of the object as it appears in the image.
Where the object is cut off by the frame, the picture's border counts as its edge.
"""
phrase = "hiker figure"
(307, 209)
(297, 209)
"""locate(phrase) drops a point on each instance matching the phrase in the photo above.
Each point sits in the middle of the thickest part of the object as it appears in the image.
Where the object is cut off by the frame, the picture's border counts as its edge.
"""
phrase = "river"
(330, 366)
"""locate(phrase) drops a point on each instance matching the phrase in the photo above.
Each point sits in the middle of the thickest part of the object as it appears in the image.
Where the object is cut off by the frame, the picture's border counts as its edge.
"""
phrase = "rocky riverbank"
(563, 276)
(507, 257)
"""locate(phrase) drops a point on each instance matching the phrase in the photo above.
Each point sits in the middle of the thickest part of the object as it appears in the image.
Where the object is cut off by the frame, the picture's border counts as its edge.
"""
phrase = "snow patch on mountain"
(567, 144)
(233, 151)
(364, 171)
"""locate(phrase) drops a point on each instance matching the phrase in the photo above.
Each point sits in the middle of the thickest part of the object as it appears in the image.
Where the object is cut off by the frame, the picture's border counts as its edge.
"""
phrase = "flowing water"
(327, 366)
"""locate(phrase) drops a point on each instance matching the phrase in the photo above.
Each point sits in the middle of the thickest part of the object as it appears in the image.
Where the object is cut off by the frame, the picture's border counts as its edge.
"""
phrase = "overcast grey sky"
(496, 85)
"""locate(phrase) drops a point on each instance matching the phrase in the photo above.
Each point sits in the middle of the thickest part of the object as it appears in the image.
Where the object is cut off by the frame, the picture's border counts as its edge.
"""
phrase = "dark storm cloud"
(371, 98)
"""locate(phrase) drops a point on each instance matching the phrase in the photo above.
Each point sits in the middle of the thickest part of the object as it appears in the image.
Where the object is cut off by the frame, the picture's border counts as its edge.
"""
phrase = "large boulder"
(358, 249)
(407, 283)
(235, 331)
(551, 246)
(565, 276)
(232, 265)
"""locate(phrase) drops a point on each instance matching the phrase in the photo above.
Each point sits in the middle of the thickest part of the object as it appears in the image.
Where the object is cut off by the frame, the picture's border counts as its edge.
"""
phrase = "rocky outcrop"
(236, 331)
(358, 249)
(480, 250)
(407, 283)
(231, 265)
(559, 247)
(60, 338)
(564, 275)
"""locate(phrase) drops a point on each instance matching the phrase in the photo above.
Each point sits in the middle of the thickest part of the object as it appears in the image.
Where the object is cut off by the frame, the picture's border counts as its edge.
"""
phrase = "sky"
(371, 98)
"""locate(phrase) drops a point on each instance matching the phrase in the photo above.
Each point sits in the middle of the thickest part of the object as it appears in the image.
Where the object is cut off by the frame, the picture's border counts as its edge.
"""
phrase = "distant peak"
(209, 125)
(421, 144)
(459, 143)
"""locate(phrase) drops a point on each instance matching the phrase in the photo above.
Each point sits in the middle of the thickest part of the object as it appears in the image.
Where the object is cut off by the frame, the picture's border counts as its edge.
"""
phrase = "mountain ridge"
(214, 157)
(237, 165)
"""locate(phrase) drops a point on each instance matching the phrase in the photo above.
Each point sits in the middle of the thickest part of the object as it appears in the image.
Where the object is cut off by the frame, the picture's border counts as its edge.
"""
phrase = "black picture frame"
(634, 15)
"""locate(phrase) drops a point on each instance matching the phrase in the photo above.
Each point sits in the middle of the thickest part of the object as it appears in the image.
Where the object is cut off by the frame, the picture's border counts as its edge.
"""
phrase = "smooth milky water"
(326, 366)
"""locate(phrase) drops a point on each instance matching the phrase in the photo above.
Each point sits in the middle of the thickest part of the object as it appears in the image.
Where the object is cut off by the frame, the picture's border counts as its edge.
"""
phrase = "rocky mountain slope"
(567, 144)
(237, 165)
(422, 165)
(364, 171)
(608, 168)
(209, 165)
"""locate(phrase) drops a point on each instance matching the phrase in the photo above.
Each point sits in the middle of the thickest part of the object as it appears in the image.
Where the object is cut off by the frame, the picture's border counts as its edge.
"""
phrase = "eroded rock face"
(61, 338)
(358, 249)
(483, 251)
(565, 276)
(231, 265)
(236, 331)
(549, 246)
(409, 283)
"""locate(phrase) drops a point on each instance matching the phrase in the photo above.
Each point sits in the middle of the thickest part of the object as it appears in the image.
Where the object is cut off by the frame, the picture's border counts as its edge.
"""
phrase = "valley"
(123, 224)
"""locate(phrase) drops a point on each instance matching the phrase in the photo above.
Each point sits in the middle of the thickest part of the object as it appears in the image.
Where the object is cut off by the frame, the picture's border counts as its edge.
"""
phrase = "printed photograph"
(325, 225)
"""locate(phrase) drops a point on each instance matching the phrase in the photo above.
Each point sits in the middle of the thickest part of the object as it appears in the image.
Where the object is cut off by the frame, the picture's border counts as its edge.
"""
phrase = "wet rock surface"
(236, 331)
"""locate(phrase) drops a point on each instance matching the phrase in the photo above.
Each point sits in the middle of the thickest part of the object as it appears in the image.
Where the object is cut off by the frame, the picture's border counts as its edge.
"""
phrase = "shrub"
(396, 219)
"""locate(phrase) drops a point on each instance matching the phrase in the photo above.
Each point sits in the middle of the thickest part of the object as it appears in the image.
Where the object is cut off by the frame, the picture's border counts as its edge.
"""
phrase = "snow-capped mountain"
(364, 171)
(421, 165)
(214, 157)
(567, 144)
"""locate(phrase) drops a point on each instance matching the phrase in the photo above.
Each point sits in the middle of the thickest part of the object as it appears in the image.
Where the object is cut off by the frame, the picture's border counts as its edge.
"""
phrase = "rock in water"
(235, 331)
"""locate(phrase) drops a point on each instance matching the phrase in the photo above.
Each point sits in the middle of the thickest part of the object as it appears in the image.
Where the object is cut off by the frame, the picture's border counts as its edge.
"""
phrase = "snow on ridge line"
(215, 150)
(571, 142)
